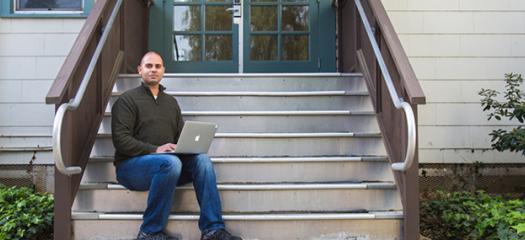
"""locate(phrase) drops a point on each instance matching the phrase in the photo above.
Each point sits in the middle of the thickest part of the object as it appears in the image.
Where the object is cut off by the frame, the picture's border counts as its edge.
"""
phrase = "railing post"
(63, 195)
(62, 221)
(135, 32)
(347, 36)
(411, 194)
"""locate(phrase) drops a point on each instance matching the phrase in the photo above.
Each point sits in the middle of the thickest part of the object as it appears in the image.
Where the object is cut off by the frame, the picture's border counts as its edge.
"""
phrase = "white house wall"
(457, 47)
(31, 53)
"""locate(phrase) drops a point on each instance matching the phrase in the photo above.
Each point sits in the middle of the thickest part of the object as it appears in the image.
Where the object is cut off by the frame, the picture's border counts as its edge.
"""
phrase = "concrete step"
(279, 121)
(279, 144)
(269, 101)
(252, 82)
(270, 197)
(385, 225)
(280, 169)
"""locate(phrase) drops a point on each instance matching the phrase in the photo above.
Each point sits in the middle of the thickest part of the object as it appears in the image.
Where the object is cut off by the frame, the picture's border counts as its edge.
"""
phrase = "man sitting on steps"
(146, 120)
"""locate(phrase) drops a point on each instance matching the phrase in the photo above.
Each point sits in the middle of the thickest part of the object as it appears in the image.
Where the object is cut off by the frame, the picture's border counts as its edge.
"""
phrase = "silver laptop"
(196, 137)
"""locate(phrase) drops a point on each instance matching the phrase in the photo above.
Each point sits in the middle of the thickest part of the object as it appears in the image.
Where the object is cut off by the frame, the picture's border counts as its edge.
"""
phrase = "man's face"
(151, 69)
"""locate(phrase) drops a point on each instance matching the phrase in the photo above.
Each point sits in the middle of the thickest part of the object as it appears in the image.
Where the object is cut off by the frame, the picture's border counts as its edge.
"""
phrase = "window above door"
(45, 8)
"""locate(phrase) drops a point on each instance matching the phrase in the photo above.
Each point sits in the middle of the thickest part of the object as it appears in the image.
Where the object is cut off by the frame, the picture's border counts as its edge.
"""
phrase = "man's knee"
(203, 163)
(170, 163)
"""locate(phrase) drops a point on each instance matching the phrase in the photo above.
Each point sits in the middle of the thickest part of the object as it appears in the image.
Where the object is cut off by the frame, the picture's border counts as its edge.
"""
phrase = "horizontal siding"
(457, 47)
(25, 130)
(438, 137)
(465, 68)
(458, 22)
(450, 155)
(457, 114)
(27, 157)
(30, 114)
(458, 91)
(30, 67)
(479, 46)
(49, 44)
(24, 91)
(31, 53)
(26, 141)
(454, 5)
(40, 25)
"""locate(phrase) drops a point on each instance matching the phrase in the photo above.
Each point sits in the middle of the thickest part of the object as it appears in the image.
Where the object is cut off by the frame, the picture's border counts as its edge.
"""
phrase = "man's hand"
(168, 147)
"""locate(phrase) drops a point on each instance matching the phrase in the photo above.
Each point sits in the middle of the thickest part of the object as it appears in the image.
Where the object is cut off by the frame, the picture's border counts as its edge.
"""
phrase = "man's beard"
(151, 83)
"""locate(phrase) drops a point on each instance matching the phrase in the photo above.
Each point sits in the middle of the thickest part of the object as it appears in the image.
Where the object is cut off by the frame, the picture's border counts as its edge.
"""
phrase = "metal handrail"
(75, 102)
(398, 102)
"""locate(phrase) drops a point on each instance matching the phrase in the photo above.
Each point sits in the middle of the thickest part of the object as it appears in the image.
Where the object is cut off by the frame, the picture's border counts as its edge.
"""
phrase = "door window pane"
(263, 18)
(218, 19)
(263, 47)
(186, 18)
(186, 1)
(295, 18)
(187, 48)
(48, 5)
(218, 47)
(295, 47)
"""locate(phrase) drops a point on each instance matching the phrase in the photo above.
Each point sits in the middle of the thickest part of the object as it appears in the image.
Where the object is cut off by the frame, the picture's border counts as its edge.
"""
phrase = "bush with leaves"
(25, 214)
(472, 216)
(513, 107)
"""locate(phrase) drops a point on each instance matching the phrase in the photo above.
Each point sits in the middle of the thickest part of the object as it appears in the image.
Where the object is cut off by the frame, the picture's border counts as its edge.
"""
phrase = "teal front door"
(203, 36)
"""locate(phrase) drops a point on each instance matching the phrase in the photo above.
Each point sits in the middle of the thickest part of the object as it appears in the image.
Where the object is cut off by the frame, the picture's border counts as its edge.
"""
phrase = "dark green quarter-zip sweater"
(140, 123)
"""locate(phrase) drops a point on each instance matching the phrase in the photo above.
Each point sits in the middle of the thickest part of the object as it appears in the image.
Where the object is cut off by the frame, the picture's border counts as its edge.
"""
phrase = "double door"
(199, 36)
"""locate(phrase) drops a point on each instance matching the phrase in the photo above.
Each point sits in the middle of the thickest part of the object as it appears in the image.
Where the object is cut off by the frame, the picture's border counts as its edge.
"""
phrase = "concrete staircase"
(297, 156)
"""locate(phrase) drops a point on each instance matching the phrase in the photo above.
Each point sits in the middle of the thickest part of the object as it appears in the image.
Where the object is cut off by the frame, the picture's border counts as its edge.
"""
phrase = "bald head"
(151, 69)
(150, 53)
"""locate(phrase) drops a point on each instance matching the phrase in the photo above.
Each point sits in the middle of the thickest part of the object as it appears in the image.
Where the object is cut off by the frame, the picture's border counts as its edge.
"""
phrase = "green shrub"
(464, 215)
(513, 107)
(25, 214)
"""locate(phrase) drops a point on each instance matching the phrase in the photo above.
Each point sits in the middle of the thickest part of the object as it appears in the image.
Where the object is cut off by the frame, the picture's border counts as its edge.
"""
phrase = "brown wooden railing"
(357, 53)
(82, 89)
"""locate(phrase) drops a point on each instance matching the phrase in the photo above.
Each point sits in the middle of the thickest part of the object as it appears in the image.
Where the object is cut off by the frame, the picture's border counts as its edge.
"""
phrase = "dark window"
(49, 5)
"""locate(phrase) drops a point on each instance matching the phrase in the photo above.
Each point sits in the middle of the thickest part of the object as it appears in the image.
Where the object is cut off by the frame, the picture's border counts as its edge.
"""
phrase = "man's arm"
(122, 124)
(180, 123)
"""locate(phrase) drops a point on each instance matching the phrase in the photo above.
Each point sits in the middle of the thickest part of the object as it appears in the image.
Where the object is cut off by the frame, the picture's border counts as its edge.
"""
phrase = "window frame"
(7, 10)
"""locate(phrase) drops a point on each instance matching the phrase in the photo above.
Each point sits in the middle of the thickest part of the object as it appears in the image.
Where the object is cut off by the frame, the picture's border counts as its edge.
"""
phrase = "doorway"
(208, 36)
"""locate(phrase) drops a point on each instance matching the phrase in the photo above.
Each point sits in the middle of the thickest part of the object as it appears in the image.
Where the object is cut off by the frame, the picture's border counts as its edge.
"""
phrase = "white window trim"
(15, 11)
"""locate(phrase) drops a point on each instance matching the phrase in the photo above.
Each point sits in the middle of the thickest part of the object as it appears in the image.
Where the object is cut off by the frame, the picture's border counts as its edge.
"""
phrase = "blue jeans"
(160, 174)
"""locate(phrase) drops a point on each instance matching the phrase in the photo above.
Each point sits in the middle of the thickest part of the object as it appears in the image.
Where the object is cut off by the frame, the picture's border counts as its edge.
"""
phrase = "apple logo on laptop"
(197, 138)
